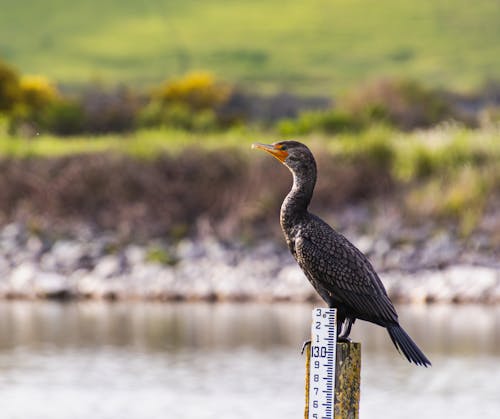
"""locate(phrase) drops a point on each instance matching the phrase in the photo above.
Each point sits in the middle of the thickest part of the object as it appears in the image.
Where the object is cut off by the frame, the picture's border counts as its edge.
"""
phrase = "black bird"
(339, 272)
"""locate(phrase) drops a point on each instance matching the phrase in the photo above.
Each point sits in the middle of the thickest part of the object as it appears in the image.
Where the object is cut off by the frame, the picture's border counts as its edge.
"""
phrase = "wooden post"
(308, 373)
(347, 380)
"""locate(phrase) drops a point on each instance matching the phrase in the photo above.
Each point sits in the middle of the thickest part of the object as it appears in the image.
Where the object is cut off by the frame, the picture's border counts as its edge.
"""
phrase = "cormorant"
(339, 272)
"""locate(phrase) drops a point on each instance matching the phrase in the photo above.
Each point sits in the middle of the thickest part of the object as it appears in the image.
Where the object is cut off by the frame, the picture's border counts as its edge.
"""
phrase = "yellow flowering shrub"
(38, 91)
(198, 90)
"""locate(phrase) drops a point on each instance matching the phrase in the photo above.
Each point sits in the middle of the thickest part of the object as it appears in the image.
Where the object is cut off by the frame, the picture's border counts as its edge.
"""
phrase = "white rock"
(214, 250)
(161, 284)
(291, 283)
(134, 254)
(107, 266)
(4, 268)
(48, 262)
(474, 282)
(12, 232)
(88, 284)
(381, 247)
(21, 277)
(189, 249)
(34, 245)
(364, 243)
(67, 253)
(50, 283)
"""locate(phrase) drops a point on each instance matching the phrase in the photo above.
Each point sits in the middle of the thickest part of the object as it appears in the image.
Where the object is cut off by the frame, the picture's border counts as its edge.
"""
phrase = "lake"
(176, 360)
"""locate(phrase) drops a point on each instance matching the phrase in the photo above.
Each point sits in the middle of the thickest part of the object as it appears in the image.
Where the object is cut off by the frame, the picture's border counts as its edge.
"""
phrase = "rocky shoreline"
(96, 266)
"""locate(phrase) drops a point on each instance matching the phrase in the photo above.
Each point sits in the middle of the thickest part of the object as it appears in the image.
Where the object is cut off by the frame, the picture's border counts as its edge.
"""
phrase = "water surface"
(152, 360)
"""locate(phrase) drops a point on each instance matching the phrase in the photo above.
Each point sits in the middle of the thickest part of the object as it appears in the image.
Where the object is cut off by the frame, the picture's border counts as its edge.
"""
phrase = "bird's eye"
(284, 147)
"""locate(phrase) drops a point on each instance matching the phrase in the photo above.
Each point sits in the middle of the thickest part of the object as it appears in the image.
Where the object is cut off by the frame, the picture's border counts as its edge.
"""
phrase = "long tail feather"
(404, 344)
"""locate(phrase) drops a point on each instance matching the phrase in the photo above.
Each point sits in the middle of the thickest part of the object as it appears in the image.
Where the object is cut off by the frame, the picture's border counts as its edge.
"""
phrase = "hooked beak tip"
(281, 155)
(261, 146)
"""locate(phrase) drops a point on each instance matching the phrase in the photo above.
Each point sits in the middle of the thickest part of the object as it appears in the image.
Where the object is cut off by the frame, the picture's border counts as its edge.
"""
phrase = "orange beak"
(275, 150)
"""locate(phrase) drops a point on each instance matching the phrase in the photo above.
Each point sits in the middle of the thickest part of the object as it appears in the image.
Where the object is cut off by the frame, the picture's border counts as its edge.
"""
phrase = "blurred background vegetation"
(103, 107)
(320, 47)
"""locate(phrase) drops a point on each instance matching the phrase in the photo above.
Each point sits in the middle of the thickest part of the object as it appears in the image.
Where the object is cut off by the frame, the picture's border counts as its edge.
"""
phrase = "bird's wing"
(334, 264)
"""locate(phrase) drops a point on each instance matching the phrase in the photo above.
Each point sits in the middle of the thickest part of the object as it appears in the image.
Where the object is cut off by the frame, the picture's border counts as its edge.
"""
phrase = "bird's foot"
(304, 345)
(343, 335)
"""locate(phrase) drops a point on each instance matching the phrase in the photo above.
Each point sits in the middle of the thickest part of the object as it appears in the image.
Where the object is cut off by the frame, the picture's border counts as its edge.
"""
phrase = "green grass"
(316, 46)
(140, 144)
(416, 155)
(420, 154)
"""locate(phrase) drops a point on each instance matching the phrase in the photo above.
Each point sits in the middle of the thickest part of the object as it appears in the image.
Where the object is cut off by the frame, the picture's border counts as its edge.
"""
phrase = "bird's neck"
(294, 207)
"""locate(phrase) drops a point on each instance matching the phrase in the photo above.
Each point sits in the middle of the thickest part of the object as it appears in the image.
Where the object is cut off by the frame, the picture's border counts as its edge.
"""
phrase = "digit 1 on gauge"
(322, 363)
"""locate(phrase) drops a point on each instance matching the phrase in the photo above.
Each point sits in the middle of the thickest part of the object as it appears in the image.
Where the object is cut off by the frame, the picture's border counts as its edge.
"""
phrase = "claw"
(306, 343)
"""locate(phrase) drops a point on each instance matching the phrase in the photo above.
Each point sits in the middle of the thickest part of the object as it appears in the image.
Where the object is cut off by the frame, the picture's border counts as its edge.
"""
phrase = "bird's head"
(296, 156)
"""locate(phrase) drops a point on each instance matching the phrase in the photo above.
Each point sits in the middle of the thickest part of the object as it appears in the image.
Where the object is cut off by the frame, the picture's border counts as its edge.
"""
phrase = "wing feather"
(336, 266)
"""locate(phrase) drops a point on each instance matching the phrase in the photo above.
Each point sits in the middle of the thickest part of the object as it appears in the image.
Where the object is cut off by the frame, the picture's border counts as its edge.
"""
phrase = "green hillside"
(306, 46)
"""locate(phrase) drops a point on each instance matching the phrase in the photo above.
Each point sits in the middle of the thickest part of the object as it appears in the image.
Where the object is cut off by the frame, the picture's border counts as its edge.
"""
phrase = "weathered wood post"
(347, 374)
(347, 380)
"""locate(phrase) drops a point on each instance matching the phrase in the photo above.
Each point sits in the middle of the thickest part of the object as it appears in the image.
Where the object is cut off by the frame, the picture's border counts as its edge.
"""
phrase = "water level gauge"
(322, 363)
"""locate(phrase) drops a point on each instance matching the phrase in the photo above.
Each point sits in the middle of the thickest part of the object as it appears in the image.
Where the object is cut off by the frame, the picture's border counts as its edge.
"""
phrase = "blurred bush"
(461, 198)
(449, 175)
(64, 117)
(177, 116)
(199, 102)
(168, 195)
(406, 104)
(109, 110)
(490, 116)
(330, 122)
(37, 92)
(10, 91)
(96, 111)
(191, 102)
